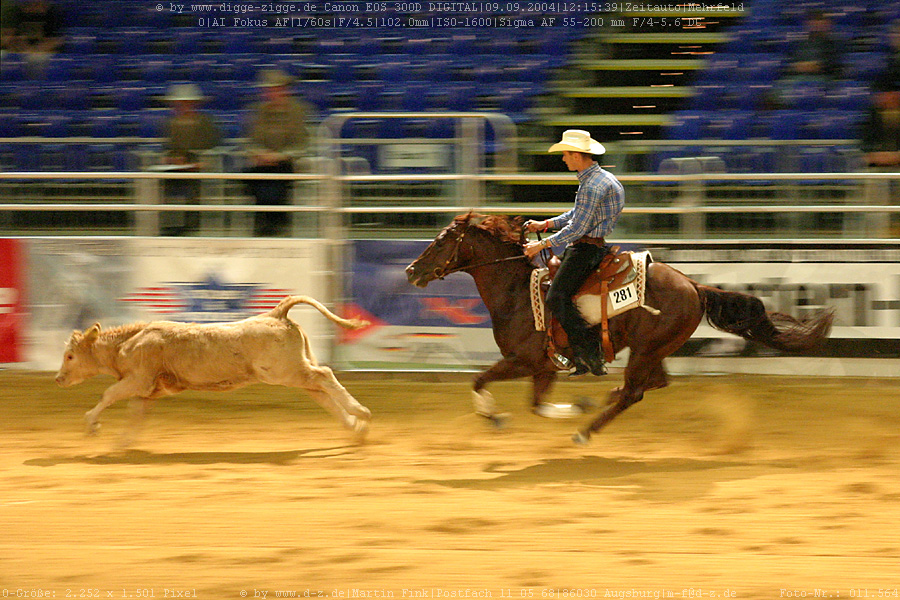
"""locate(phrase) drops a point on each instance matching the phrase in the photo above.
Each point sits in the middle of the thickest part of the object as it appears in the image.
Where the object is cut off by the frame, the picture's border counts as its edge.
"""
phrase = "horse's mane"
(507, 229)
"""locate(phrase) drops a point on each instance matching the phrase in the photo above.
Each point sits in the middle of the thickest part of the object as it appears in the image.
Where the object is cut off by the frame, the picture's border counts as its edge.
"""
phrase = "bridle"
(441, 272)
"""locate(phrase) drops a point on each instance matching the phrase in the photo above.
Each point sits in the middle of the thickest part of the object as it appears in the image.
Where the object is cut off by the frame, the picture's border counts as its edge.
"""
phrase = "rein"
(481, 264)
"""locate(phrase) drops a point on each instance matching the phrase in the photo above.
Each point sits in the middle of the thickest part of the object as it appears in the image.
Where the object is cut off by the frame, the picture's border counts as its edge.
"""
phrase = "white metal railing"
(148, 202)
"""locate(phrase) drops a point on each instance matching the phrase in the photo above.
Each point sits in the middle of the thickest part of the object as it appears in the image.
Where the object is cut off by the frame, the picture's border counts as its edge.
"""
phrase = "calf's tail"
(281, 311)
(745, 315)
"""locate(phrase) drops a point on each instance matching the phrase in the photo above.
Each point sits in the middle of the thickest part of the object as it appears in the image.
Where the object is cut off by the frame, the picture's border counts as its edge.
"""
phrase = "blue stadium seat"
(28, 97)
(58, 68)
(131, 98)
(146, 123)
(783, 124)
(60, 157)
(834, 124)
(728, 125)
(721, 68)
(686, 125)
(239, 41)
(232, 123)
(56, 124)
(106, 125)
(864, 66)
(186, 40)
(73, 95)
(83, 43)
(14, 68)
(850, 96)
(156, 69)
(367, 95)
(109, 157)
(455, 97)
(10, 126)
(803, 95)
(709, 96)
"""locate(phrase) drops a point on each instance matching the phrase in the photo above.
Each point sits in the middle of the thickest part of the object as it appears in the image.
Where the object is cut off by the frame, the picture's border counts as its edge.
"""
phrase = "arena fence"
(690, 201)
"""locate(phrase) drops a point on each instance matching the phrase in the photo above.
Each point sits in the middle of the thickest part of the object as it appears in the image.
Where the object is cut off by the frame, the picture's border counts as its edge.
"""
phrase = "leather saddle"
(615, 271)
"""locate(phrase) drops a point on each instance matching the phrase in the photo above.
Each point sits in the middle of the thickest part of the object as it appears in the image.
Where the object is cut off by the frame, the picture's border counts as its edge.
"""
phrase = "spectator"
(7, 31)
(277, 135)
(815, 59)
(33, 27)
(816, 56)
(881, 133)
(881, 144)
(188, 132)
(891, 73)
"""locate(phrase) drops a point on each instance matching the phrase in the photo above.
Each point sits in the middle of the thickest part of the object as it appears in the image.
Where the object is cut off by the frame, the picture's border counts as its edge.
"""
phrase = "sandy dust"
(729, 486)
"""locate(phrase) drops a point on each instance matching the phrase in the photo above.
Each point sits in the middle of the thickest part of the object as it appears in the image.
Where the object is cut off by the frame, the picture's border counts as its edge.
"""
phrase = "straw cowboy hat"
(274, 78)
(576, 140)
(187, 92)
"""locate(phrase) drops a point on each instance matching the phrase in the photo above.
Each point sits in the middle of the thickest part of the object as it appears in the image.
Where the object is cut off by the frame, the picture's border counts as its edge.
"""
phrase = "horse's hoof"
(558, 411)
(581, 438)
(586, 404)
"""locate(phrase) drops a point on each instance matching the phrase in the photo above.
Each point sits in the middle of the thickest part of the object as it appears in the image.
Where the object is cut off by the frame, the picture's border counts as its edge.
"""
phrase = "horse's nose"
(411, 275)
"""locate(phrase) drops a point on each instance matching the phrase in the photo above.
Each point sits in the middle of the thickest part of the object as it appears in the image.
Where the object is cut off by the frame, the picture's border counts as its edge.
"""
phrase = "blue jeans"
(578, 262)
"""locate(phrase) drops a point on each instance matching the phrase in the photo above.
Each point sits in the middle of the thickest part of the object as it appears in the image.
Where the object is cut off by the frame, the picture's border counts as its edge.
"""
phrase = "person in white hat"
(276, 135)
(583, 229)
(188, 133)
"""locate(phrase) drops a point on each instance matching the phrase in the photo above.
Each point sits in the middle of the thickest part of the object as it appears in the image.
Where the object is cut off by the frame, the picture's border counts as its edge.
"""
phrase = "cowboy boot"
(587, 361)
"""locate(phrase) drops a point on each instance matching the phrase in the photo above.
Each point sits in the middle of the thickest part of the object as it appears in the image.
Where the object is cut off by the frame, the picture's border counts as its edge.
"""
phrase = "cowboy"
(583, 229)
(277, 135)
(189, 133)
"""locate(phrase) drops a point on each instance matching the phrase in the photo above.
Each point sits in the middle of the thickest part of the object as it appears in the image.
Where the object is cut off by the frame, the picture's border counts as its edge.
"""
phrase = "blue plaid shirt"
(598, 203)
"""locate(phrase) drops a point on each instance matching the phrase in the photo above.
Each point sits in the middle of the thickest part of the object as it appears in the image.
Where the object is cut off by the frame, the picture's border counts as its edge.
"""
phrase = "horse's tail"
(744, 315)
(281, 311)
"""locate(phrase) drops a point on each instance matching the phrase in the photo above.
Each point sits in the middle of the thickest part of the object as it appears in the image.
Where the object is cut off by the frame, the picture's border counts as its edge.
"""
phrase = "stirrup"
(583, 367)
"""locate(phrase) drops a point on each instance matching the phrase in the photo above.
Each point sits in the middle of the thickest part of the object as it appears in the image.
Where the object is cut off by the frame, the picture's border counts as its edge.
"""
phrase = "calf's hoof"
(360, 429)
(91, 425)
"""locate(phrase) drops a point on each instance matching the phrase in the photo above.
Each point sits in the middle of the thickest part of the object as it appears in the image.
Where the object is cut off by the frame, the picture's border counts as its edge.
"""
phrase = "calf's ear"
(91, 334)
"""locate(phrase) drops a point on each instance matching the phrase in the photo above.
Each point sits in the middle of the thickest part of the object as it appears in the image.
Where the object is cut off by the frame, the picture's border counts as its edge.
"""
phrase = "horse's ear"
(476, 219)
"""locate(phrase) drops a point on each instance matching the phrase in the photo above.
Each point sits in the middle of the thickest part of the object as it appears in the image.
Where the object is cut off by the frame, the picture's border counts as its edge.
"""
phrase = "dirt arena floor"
(726, 486)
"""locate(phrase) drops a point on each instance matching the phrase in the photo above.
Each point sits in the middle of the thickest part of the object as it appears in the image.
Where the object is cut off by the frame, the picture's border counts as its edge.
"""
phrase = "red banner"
(12, 300)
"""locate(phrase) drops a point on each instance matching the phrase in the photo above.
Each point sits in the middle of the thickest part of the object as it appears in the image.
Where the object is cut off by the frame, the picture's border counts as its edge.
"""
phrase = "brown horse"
(490, 249)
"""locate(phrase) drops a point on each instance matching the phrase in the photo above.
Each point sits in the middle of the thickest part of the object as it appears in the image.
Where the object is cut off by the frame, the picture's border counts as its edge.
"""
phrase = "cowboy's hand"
(533, 248)
(532, 226)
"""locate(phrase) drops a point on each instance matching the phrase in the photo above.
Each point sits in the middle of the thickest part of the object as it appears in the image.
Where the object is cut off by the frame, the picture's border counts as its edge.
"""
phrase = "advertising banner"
(12, 301)
(79, 282)
(444, 326)
(74, 282)
(861, 285)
